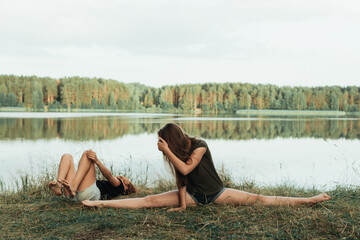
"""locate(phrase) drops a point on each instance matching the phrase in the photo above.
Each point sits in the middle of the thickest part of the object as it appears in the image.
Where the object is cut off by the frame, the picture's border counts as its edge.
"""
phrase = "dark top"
(203, 180)
(108, 191)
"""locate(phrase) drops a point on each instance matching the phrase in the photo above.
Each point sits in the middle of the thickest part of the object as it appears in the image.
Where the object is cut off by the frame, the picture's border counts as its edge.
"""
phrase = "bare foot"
(68, 186)
(89, 203)
(55, 186)
(320, 198)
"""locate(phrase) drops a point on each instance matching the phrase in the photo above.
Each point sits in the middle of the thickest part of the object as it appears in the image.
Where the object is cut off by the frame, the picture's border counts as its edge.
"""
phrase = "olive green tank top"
(203, 180)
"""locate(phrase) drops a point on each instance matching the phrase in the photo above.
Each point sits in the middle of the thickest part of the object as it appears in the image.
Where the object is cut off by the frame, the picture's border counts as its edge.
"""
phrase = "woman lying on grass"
(82, 185)
(197, 180)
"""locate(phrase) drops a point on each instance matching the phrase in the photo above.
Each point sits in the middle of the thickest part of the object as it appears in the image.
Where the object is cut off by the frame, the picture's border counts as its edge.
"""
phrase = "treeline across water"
(35, 93)
(99, 128)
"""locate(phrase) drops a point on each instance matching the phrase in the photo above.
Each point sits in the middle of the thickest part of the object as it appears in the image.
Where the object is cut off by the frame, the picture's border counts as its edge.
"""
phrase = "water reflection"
(266, 150)
(112, 127)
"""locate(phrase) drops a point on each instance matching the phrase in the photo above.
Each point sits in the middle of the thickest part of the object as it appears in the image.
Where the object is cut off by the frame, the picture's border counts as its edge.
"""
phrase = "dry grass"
(32, 212)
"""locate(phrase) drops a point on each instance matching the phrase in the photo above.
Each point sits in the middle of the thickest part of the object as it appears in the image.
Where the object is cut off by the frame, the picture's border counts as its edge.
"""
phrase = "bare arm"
(182, 167)
(182, 196)
(103, 169)
(182, 199)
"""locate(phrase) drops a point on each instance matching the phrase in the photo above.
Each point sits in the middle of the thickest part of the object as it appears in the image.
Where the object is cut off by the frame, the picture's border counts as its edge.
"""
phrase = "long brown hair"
(180, 144)
(129, 188)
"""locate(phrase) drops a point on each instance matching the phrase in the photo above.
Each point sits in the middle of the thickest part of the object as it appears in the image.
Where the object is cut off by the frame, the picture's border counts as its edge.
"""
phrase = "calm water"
(305, 151)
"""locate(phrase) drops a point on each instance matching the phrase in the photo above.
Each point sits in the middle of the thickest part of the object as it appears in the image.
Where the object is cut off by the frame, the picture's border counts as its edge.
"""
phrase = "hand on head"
(162, 145)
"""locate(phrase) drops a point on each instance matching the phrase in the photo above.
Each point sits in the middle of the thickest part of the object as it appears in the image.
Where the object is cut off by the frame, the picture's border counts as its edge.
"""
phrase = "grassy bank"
(32, 212)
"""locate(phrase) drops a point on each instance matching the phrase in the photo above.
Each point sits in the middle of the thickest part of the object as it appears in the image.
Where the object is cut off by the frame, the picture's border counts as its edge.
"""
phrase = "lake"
(319, 152)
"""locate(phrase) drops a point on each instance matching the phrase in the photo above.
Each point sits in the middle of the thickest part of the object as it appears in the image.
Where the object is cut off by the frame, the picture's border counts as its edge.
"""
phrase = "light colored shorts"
(90, 193)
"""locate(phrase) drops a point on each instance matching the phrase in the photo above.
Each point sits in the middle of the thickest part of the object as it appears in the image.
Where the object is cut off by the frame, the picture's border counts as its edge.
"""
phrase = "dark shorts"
(204, 199)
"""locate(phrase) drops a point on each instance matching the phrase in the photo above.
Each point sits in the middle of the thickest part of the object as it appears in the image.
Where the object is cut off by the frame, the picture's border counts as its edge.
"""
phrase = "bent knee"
(85, 154)
(66, 156)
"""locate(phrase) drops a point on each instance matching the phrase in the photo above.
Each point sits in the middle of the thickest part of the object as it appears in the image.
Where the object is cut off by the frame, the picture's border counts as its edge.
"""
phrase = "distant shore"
(291, 112)
(243, 112)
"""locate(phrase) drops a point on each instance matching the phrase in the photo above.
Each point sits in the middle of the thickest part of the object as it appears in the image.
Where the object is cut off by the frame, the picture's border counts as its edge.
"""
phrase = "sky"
(160, 42)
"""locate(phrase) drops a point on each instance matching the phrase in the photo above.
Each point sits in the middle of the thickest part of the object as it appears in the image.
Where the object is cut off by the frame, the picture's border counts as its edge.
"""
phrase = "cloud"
(182, 41)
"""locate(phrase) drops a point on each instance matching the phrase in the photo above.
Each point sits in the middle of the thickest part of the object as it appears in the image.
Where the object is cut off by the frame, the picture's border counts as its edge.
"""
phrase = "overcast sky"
(159, 42)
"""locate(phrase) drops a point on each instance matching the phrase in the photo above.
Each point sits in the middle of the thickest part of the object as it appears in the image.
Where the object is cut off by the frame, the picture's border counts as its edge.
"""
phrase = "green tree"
(334, 102)
(121, 104)
(28, 98)
(3, 94)
(3, 89)
(312, 105)
(2, 99)
(37, 102)
(102, 104)
(112, 103)
(247, 101)
(11, 100)
(94, 104)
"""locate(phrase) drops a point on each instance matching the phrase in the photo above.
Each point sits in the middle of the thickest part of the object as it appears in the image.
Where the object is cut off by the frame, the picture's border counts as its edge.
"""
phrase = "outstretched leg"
(84, 177)
(167, 199)
(66, 172)
(237, 197)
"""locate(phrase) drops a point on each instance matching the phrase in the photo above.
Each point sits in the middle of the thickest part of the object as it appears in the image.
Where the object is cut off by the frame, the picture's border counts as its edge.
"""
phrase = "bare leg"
(237, 197)
(167, 199)
(84, 177)
(66, 171)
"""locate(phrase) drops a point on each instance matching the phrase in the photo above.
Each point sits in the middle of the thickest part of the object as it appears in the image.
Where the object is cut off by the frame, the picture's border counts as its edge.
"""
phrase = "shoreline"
(18, 113)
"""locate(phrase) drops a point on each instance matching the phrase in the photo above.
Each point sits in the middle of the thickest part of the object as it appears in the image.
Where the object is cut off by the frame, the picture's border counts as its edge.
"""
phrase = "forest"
(70, 93)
